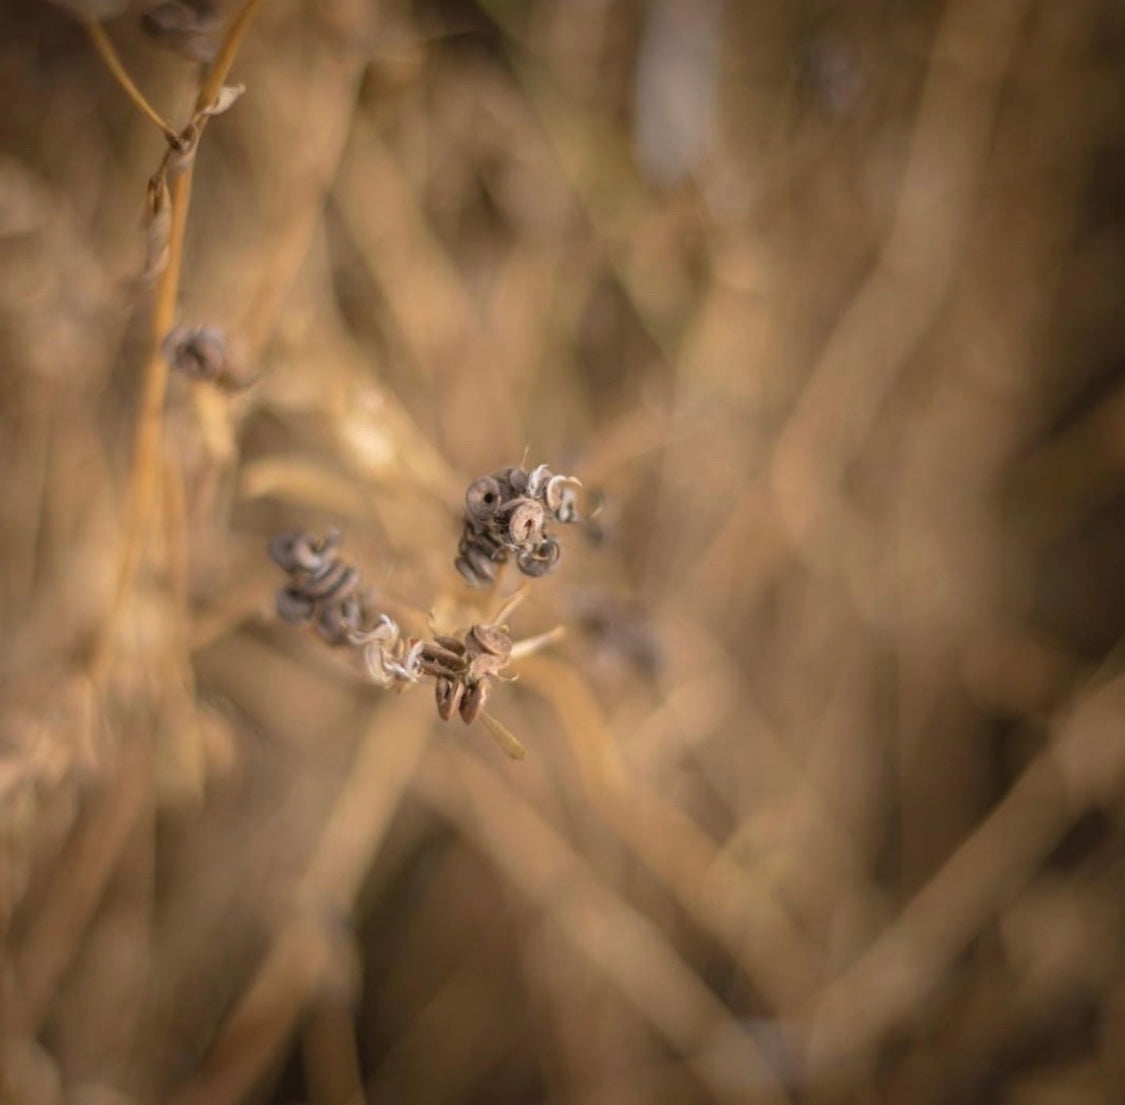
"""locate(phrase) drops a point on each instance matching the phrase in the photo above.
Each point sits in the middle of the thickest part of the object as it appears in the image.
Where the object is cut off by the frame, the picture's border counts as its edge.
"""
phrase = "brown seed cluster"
(507, 513)
(322, 590)
(463, 670)
(202, 353)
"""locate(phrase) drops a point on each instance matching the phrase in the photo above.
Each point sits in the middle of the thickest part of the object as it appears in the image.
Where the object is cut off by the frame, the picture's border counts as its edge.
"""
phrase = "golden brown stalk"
(113, 63)
(144, 475)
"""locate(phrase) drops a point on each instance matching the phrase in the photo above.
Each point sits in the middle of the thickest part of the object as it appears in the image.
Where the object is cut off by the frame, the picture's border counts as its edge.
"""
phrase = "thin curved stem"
(113, 63)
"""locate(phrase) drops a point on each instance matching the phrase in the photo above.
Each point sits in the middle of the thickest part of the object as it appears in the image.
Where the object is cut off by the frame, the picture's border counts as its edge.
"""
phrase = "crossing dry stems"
(823, 777)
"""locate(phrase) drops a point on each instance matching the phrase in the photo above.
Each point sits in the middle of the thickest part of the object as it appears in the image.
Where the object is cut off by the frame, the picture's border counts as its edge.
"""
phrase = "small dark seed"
(293, 606)
(516, 478)
(489, 638)
(483, 499)
(525, 521)
(282, 552)
(337, 579)
(473, 701)
(447, 694)
(541, 560)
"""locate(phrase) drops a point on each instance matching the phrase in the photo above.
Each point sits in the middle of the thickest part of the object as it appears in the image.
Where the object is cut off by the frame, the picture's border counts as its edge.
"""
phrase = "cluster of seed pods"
(322, 590)
(463, 669)
(507, 513)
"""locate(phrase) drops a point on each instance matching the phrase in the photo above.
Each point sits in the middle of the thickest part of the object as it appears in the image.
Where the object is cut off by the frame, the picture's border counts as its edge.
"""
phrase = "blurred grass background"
(821, 301)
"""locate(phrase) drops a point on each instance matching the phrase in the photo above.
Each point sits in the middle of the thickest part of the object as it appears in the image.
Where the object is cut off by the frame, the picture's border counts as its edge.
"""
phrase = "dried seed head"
(335, 580)
(537, 480)
(281, 551)
(490, 639)
(515, 480)
(483, 499)
(452, 644)
(507, 512)
(321, 588)
(202, 353)
(559, 495)
(197, 351)
(478, 562)
(525, 521)
(438, 660)
(294, 606)
(473, 700)
(540, 560)
(447, 694)
(334, 622)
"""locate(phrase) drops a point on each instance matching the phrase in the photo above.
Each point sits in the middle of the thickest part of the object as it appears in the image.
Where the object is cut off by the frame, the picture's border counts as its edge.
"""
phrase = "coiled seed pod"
(506, 513)
(525, 519)
(473, 700)
(447, 694)
(541, 560)
(322, 589)
(483, 499)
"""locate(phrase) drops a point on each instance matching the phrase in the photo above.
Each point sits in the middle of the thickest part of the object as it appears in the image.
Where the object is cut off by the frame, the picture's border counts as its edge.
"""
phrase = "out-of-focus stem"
(113, 63)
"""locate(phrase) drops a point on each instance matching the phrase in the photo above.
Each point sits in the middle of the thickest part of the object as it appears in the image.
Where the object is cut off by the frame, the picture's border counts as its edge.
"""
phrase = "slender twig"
(145, 471)
(217, 74)
(148, 433)
(113, 63)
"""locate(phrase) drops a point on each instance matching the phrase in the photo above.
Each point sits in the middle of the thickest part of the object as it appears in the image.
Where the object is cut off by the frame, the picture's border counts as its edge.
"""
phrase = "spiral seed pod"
(560, 498)
(541, 560)
(506, 513)
(525, 519)
(339, 622)
(479, 558)
(448, 694)
(197, 351)
(473, 700)
(490, 639)
(516, 479)
(483, 499)
(321, 589)
(293, 606)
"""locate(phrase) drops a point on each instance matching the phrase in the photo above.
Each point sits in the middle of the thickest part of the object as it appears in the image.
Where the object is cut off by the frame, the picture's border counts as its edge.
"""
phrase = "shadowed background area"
(821, 301)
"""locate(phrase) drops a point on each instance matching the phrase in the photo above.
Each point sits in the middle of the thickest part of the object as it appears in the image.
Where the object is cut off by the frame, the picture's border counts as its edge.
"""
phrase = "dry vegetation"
(821, 301)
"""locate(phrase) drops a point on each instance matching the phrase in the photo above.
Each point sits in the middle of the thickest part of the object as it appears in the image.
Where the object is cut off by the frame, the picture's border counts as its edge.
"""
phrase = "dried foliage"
(824, 770)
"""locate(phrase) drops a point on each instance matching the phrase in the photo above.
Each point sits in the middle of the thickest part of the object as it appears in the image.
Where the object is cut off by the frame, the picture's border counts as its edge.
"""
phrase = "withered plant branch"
(623, 943)
(896, 305)
(333, 1074)
(301, 960)
(148, 433)
(92, 857)
(722, 898)
(1083, 767)
(216, 76)
(108, 53)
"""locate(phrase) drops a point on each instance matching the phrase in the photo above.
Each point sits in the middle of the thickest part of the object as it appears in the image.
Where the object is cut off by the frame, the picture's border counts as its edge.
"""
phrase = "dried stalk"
(148, 433)
(113, 63)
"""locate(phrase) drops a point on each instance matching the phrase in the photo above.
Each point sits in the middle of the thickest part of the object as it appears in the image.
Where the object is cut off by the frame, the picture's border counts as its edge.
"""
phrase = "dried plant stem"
(624, 944)
(217, 74)
(328, 1049)
(746, 919)
(148, 435)
(1083, 766)
(145, 471)
(73, 898)
(113, 63)
(303, 957)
